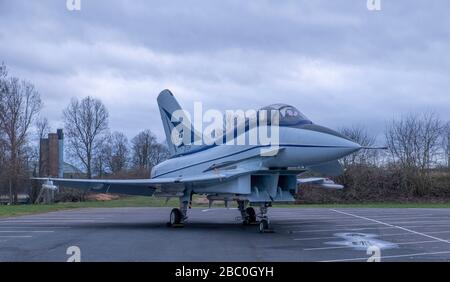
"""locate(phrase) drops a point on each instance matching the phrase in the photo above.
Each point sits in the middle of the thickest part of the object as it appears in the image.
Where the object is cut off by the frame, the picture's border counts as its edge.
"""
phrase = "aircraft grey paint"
(234, 172)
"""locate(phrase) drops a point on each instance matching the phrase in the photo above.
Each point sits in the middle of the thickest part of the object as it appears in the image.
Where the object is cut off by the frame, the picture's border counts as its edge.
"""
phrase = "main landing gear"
(249, 216)
(178, 216)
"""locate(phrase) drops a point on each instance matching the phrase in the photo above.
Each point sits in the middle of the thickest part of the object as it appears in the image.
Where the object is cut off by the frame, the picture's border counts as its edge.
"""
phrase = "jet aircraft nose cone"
(342, 145)
(355, 146)
(347, 147)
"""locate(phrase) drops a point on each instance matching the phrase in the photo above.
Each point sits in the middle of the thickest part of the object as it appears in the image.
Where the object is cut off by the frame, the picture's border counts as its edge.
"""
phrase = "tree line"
(89, 143)
(105, 154)
(415, 166)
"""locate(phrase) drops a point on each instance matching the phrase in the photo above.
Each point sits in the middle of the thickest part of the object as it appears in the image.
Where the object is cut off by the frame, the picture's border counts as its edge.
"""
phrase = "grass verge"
(17, 210)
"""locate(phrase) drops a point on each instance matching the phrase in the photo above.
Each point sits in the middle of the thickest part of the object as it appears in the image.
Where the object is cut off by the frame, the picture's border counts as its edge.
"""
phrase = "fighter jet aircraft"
(252, 175)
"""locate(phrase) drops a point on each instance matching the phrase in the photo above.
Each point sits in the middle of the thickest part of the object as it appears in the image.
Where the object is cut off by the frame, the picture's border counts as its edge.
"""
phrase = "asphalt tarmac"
(301, 234)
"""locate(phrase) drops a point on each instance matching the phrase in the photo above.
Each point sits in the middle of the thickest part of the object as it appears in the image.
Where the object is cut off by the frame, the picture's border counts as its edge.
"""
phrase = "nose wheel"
(264, 226)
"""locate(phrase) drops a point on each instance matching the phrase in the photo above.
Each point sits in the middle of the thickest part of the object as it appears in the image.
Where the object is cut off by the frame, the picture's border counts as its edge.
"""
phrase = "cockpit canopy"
(289, 115)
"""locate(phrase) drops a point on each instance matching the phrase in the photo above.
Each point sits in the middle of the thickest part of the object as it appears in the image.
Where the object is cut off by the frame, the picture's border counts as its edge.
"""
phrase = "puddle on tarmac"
(361, 241)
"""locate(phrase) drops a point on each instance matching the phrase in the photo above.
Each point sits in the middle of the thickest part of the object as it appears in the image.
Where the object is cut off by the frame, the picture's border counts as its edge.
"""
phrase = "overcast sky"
(336, 61)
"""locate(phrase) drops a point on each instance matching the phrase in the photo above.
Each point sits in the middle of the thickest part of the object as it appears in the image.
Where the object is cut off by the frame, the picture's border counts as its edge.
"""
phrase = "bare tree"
(414, 140)
(159, 153)
(147, 152)
(141, 147)
(3, 163)
(3, 151)
(360, 135)
(414, 143)
(112, 156)
(3, 75)
(100, 157)
(86, 123)
(20, 104)
(117, 152)
(42, 128)
(446, 143)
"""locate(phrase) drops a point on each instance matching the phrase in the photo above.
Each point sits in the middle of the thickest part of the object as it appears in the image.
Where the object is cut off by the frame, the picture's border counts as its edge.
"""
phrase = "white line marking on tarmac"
(393, 226)
(420, 221)
(307, 217)
(17, 236)
(60, 218)
(344, 229)
(40, 227)
(362, 228)
(26, 231)
(335, 220)
(358, 224)
(379, 235)
(45, 221)
(393, 256)
(346, 247)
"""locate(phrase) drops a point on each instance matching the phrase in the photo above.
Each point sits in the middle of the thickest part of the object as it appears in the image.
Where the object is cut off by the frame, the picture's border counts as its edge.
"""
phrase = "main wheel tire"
(251, 214)
(263, 225)
(175, 217)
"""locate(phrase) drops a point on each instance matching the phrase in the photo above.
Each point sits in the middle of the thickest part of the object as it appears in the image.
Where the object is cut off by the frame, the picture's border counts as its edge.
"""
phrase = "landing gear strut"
(264, 224)
(248, 214)
(178, 216)
(251, 214)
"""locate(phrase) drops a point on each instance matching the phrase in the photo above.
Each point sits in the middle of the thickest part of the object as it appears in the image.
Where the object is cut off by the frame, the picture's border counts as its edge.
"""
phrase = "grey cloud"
(336, 61)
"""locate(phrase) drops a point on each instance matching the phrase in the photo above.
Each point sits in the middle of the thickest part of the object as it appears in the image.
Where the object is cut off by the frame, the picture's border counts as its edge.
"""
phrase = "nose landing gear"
(249, 216)
(264, 224)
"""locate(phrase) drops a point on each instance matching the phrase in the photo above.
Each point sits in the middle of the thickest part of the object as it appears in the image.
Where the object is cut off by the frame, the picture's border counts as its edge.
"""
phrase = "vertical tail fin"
(179, 140)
